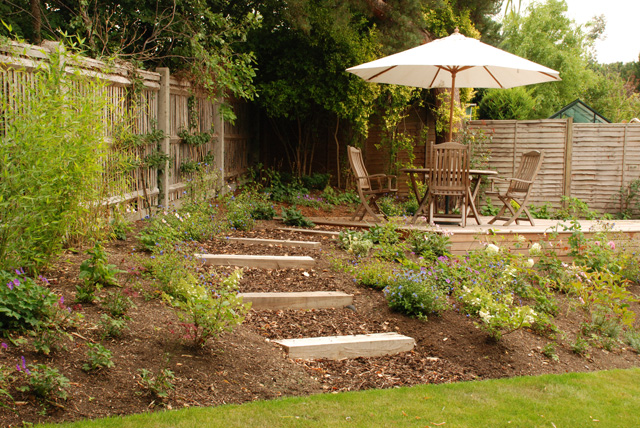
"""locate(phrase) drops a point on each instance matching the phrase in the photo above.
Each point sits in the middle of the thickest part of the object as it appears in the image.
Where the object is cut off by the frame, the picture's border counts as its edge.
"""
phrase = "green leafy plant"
(120, 227)
(238, 212)
(386, 233)
(117, 304)
(98, 357)
(158, 384)
(549, 351)
(207, 306)
(111, 327)
(50, 338)
(293, 217)
(196, 139)
(632, 338)
(354, 242)
(44, 382)
(498, 315)
(25, 305)
(375, 274)
(574, 208)
(580, 346)
(96, 270)
(334, 197)
(429, 245)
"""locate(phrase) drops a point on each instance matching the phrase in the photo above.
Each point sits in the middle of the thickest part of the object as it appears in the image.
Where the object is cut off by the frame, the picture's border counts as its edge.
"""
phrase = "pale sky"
(622, 33)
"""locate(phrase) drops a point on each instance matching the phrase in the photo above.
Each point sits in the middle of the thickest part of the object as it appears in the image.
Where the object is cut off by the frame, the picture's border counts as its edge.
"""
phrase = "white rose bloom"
(535, 249)
(486, 317)
(492, 248)
(530, 263)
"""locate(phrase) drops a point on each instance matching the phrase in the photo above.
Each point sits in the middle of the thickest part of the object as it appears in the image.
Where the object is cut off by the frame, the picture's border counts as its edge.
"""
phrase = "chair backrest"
(449, 172)
(527, 171)
(357, 166)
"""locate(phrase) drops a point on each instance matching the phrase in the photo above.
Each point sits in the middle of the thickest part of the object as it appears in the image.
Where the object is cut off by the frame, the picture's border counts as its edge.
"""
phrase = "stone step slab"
(264, 262)
(340, 347)
(298, 300)
(284, 243)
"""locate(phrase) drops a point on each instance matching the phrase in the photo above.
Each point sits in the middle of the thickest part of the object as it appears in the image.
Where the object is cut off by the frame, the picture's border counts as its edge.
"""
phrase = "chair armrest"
(493, 180)
(380, 178)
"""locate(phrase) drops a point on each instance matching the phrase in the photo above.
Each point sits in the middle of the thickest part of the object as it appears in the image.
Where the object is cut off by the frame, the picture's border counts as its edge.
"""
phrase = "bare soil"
(245, 364)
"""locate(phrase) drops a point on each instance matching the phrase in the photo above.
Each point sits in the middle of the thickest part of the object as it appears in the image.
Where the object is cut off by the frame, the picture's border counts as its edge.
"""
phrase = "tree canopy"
(544, 34)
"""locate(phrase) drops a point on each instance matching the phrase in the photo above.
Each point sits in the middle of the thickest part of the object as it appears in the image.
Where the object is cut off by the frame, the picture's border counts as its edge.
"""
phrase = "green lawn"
(601, 399)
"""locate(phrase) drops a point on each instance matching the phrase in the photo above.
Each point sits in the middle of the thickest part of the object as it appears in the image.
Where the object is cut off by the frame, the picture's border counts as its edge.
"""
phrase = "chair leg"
(464, 211)
(516, 215)
(500, 214)
(368, 206)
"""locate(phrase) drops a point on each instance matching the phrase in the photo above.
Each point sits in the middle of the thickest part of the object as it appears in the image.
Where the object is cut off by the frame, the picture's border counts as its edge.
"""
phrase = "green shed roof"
(580, 112)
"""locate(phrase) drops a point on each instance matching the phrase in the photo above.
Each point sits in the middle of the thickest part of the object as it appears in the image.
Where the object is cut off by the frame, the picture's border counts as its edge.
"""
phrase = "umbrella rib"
(435, 77)
(550, 75)
(382, 72)
(493, 77)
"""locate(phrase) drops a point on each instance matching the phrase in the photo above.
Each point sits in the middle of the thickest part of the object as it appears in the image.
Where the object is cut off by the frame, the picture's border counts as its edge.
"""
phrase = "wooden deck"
(515, 237)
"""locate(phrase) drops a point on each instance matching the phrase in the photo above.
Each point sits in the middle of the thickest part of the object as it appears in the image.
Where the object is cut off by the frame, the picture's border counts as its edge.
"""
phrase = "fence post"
(568, 150)
(218, 150)
(164, 125)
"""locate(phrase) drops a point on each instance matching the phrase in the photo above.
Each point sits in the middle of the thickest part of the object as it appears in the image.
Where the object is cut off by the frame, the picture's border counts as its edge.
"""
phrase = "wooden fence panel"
(186, 106)
(591, 162)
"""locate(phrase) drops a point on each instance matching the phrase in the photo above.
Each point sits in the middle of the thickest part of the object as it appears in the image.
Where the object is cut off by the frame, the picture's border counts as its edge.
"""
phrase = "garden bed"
(246, 365)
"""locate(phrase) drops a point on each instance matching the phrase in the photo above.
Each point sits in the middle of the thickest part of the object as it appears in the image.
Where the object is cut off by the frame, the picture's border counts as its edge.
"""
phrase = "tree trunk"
(335, 137)
(37, 21)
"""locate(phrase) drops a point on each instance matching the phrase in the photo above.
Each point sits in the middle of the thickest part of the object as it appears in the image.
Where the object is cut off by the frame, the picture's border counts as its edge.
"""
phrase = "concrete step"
(264, 262)
(284, 243)
(339, 347)
(298, 300)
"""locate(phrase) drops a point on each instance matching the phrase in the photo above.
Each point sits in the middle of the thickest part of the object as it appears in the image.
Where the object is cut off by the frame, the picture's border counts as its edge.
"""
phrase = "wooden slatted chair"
(370, 187)
(449, 177)
(516, 197)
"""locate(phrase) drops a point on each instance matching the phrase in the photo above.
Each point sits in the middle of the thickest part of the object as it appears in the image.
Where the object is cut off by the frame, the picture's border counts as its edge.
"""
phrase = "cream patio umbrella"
(455, 61)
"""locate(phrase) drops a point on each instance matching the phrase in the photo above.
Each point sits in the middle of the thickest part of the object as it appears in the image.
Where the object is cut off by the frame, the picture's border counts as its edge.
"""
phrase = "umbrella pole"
(453, 87)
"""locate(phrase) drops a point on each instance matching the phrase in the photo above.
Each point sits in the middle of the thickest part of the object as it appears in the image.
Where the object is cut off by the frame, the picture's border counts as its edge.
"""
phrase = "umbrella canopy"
(455, 61)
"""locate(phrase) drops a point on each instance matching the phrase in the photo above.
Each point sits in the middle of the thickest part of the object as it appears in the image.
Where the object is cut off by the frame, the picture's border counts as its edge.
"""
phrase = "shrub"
(415, 294)
(196, 221)
(390, 206)
(316, 181)
(334, 197)
(549, 351)
(429, 245)
(498, 315)
(53, 152)
(375, 274)
(507, 104)
(262, 209)
(238, 212)
(207, 306)
(386, 233)
(293, 217)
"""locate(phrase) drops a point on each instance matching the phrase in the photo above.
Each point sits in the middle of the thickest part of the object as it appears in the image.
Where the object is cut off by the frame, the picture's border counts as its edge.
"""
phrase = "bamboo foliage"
(132, 111)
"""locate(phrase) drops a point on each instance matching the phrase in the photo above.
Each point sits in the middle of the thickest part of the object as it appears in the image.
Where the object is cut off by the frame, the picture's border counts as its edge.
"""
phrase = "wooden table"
(476, 176)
